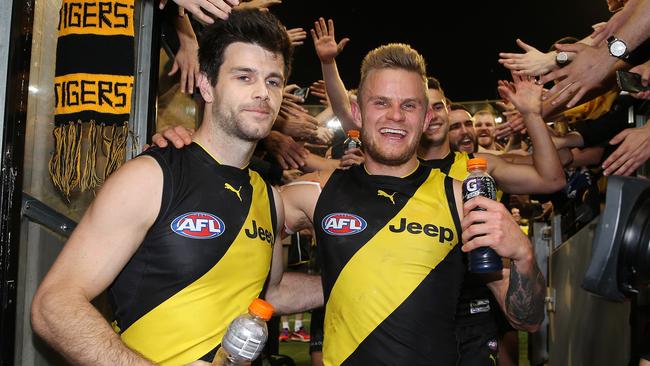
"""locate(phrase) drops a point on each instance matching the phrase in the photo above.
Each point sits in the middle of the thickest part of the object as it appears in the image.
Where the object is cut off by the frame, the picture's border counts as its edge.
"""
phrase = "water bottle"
(480, 183)
(352, 141)
(245, 336)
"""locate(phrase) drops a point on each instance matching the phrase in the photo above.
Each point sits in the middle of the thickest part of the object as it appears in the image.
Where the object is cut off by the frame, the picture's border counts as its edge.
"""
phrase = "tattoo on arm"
(525, 296)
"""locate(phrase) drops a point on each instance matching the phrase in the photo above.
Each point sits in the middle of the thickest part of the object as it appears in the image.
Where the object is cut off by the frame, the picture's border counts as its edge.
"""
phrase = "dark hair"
(457, 107)
(433, 83)
(248, 26)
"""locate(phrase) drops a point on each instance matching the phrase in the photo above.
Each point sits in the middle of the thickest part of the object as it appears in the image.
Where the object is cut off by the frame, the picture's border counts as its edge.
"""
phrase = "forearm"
(637, 28)
(314, 162)
(545, 158)
(338, 95)
(524, 300)
(71, 325)
(296, 292)
(184, 30)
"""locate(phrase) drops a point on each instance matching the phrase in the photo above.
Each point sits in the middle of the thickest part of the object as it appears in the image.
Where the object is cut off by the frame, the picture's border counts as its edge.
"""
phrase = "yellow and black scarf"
(92, 87)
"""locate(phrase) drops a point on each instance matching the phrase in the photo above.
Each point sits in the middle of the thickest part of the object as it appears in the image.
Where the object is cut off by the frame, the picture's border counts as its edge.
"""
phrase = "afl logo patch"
(198, 225)
(341, 224)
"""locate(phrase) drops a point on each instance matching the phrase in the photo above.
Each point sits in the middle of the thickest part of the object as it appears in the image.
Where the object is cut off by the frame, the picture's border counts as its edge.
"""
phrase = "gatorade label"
(479, 186)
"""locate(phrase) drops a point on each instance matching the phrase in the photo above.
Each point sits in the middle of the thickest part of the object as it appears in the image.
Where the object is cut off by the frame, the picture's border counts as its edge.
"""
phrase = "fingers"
(524, 46)
(317, 27)
(620, 137)
(482, 202)
(341, 45)
(158, 140)
(174, 69)
(330, 28)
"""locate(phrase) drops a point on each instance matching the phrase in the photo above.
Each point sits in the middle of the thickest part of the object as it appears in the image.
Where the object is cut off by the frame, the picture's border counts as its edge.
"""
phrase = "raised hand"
(297, 36)
(317, 89)
(525, 94)
(325, 42)
(587, 71)
(532, 62)
(204, 10)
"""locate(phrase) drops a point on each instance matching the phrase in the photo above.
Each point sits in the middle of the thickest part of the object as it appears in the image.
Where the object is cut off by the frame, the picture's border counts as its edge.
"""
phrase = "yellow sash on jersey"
(192, 322)
(385, 271)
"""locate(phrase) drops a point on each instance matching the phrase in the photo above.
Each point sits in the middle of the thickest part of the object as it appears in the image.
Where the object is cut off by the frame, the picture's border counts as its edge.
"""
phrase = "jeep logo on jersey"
(340, 224)
(444, 234)
(198, 225)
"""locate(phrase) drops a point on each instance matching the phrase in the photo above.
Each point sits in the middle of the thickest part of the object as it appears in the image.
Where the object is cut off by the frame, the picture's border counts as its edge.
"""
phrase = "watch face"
(617, 48)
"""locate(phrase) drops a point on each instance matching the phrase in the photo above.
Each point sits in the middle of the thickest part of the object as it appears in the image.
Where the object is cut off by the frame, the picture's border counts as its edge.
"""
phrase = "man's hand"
(297, 36)
(187, 60)
(523, 300)
(532, 62)
(300, 126)
(323, 136)
(286, 151)
(633, 152)
(204, 10)
(324, 41)
(643, 70)
(352, 157)
(494, 228)
(179, 136)
(317, 89)
(524, 94)
(587, 71)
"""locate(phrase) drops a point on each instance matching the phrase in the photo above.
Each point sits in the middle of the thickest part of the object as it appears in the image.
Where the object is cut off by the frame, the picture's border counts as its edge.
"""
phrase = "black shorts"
(477, 344)
(316, 330)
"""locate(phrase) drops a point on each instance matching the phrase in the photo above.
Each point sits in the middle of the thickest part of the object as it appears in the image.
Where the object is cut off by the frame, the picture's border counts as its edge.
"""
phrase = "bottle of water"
(352, 141)
(480, 183)
(245, 336)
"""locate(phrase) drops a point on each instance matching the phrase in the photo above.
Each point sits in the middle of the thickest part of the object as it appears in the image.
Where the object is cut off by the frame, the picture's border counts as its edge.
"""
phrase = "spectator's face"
(393, 111)
(248, 92)
(485, 127)
(438, 128)
(461, 131)
(515, 214)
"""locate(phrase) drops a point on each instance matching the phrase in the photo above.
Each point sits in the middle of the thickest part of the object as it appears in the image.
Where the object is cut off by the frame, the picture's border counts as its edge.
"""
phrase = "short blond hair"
(394, 56)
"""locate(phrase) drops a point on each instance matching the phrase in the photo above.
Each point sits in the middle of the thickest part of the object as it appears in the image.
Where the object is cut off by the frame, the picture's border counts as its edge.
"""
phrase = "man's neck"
(376, 168)
(431, 152)
(226, 149)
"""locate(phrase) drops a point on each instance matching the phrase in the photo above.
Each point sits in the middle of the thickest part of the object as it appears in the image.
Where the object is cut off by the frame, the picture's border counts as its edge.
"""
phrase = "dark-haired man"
(184, 239)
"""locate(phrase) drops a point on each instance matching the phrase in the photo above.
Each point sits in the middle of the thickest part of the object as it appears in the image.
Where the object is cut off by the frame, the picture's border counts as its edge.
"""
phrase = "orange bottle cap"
(261, 308)
(476, 163)
(353, 133)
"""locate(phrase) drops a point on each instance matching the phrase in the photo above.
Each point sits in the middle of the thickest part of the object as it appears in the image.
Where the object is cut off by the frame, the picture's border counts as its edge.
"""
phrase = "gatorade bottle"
(352, 141)
(246, 336)
(480, 183)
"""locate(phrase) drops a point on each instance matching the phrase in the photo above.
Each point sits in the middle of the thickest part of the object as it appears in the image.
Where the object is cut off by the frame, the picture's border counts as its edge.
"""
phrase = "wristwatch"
(561, 59)
(617, 48)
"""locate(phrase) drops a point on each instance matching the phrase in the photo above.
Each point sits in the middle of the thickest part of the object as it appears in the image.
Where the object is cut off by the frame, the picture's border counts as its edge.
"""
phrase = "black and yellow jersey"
(202, 262)
(391, 268)
(454, 164)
